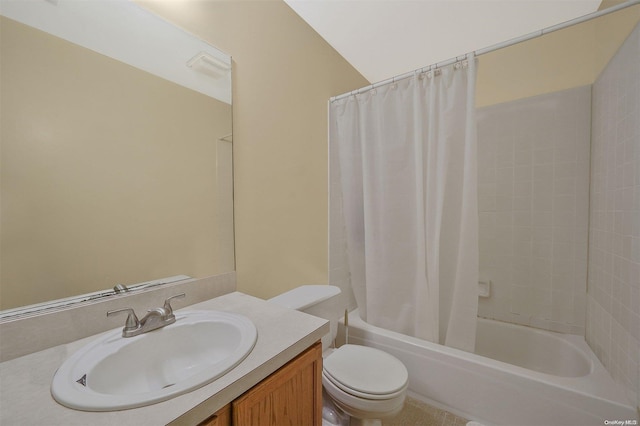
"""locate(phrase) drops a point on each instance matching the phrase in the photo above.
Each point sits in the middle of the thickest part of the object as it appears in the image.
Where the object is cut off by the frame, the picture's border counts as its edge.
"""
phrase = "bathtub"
(519, 375)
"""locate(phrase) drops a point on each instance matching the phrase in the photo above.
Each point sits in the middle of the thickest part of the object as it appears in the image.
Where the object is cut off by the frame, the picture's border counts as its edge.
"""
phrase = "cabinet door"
(222, 417)
(290, 396)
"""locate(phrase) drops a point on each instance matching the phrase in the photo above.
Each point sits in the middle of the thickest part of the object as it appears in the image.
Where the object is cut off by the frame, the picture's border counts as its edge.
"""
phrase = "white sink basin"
(120, 373)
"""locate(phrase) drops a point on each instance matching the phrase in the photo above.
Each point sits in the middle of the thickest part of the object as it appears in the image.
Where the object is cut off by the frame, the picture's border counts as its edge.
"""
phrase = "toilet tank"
(322, 301)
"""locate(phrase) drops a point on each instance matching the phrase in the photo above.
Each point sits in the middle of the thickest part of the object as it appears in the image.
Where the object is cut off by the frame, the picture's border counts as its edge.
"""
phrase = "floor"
(416, 413)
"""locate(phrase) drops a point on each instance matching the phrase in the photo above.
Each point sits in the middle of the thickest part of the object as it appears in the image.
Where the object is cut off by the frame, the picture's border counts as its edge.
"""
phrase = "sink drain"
(82, 380)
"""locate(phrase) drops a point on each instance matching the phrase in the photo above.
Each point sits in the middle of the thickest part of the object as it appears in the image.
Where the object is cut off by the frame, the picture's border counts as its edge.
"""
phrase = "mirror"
(116, 150)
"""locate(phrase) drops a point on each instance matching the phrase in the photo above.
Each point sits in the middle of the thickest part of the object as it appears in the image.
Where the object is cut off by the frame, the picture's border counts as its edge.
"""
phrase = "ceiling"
(384, 38)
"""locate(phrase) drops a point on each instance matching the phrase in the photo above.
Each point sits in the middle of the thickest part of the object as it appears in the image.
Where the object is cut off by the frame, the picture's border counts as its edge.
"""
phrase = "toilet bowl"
(365, 384)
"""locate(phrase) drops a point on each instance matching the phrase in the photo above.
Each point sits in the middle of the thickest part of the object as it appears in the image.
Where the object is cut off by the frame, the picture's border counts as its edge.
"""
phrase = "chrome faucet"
(155, 318)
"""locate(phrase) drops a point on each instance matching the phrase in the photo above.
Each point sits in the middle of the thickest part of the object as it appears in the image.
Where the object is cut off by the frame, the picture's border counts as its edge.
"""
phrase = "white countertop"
(282, 334)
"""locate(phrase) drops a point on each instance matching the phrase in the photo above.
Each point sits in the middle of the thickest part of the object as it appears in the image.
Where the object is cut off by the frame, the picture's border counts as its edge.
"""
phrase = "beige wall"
(108, 173)
(284, 74)
(560, 60)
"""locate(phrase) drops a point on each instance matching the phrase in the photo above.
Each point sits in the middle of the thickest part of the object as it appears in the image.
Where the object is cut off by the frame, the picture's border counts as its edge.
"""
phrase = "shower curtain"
(408, 165)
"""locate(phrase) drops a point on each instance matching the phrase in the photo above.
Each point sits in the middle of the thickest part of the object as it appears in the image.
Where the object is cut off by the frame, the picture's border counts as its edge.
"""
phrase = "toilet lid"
(366, 370)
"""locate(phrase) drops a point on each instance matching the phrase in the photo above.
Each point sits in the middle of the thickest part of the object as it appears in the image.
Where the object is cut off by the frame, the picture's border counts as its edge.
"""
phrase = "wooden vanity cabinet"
(290, 396)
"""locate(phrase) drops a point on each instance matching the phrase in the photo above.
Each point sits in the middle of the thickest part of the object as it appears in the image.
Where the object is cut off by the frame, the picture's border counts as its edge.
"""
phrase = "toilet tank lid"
(304, 296)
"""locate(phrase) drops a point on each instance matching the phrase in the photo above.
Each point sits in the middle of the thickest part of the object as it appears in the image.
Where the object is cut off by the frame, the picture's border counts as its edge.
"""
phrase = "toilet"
(361, 385)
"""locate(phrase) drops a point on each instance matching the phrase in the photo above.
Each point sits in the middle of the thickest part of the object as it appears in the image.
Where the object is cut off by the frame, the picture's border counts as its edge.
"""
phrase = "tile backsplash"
(36, 332)
(533, 196)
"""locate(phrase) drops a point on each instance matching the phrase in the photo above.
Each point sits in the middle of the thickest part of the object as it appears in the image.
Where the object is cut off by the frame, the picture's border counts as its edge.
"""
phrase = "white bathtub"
(570, 386)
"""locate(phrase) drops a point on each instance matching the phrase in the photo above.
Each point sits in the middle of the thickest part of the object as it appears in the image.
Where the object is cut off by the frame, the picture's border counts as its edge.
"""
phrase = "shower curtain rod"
(492, 48)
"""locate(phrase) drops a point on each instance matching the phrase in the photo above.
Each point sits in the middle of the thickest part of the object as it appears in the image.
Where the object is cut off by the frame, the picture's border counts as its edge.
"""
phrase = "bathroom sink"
(115, 373)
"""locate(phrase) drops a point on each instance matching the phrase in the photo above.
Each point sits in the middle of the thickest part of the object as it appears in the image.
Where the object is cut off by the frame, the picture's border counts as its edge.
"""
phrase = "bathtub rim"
(606, 389)
(574, 341)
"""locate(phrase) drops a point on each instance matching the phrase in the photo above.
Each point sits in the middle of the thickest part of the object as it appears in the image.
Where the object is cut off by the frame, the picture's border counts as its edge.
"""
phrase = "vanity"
(278, 381)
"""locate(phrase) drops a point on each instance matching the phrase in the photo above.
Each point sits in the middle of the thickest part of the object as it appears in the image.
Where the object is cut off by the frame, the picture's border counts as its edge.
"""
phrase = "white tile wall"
(534, 202)
(613, 317)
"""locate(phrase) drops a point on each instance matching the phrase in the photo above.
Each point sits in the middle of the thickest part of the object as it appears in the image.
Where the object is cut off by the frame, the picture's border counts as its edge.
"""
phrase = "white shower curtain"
(408, 165)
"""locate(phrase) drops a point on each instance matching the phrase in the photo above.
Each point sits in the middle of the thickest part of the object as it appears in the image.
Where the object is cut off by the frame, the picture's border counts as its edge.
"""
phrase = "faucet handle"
(132, 320)
(167, 304)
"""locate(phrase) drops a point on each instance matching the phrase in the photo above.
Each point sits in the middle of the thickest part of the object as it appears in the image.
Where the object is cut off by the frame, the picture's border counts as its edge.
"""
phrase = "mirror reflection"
(109, 174)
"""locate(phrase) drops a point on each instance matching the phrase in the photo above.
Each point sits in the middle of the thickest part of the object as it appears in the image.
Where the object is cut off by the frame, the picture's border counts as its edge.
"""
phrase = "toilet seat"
(358, 394)
(363, 408)
(366, 372)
